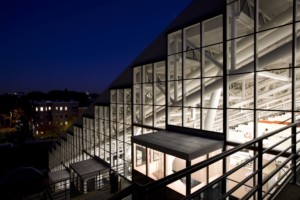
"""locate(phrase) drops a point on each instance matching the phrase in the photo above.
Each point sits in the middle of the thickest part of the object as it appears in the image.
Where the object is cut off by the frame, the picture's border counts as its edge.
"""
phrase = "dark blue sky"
(80, 45)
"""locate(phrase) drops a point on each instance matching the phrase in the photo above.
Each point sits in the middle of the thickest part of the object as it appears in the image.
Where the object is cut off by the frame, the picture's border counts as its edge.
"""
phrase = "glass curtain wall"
(78, 144)
(149, 95)
(121, 131)
(102, 133)
(195, 71)
(149, 100)
(262, 83)
(88, 135)
(260, 69)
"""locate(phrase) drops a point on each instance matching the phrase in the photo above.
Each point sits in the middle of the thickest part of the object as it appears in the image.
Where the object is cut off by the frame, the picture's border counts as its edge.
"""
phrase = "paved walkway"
(95, 195)
(291, 191)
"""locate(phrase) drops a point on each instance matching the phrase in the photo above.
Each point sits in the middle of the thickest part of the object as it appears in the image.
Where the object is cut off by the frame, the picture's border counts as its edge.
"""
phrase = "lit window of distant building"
(66, 108)
(66, 123)
(42, 132)
(61, 108)
(37, 132)
(36, 109)
(46, 108)
(49, 108)
(60, 123)
(56, 108)
(41, 109)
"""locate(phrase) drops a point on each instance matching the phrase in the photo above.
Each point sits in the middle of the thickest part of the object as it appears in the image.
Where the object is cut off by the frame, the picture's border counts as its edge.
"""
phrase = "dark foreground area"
(23, 168)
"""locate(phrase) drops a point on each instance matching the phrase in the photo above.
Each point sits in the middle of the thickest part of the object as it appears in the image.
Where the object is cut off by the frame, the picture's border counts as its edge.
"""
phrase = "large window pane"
(192, 37)
(240, 16)
(175, 42)
(241, 91)
(271, 16)
(274, 90)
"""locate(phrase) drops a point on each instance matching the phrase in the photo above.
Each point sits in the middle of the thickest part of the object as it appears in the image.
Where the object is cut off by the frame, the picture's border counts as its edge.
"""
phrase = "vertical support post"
(260, 169)
(294, 128)
(188, 179)
(225, 93)
(294, 152)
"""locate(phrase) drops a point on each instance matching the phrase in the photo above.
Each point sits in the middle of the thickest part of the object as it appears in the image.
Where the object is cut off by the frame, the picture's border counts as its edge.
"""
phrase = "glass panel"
(175, 116)
(160, 71)
(137, 130)
(148, 94)
(128, 152)
(274, 90)
(128, 114)
(213, 120)
(213, 31)
(297, 92)
(160, 116)
(174, 164)
(113, 112)
(175, 42)
(271, 52)
(241, 91)
(120, 113)
(192, 93)
(120, 96)
(215, 169)
(121, 132)
(148, 115)
(198, 178)
(128, 133)
(148, 74)
(137, 75)
(140, 158)
(138, 114)
(127, 95)
(192, 117)
(175, 93)
(192, 37)
(155, 164)
(192, 64)
(272, 16)
(240, 16)
(213, 63)
(113, 96)
(240, 123)
(212, 92)
(137, 94)
(160, 93)
(241, 55)
(175, 67)
(235, 178)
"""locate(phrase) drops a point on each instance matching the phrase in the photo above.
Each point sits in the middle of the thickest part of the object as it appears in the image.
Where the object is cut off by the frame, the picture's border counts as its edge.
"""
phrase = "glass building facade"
(233, 73)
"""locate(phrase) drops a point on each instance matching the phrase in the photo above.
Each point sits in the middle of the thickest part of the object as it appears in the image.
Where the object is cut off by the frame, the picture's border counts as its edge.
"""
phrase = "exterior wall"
(235, 74)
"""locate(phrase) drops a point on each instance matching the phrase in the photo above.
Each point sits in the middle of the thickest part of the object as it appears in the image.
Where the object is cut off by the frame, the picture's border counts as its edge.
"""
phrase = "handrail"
(257, 143)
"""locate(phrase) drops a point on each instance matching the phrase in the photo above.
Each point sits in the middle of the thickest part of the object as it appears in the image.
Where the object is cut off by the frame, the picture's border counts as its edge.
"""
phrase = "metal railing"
(290, 153)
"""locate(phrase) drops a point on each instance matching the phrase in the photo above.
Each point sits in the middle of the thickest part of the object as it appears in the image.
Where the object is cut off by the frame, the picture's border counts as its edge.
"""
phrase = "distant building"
(49, 112)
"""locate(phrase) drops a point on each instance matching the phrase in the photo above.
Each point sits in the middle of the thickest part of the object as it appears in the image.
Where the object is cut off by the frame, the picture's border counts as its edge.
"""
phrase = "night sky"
(80, 45)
